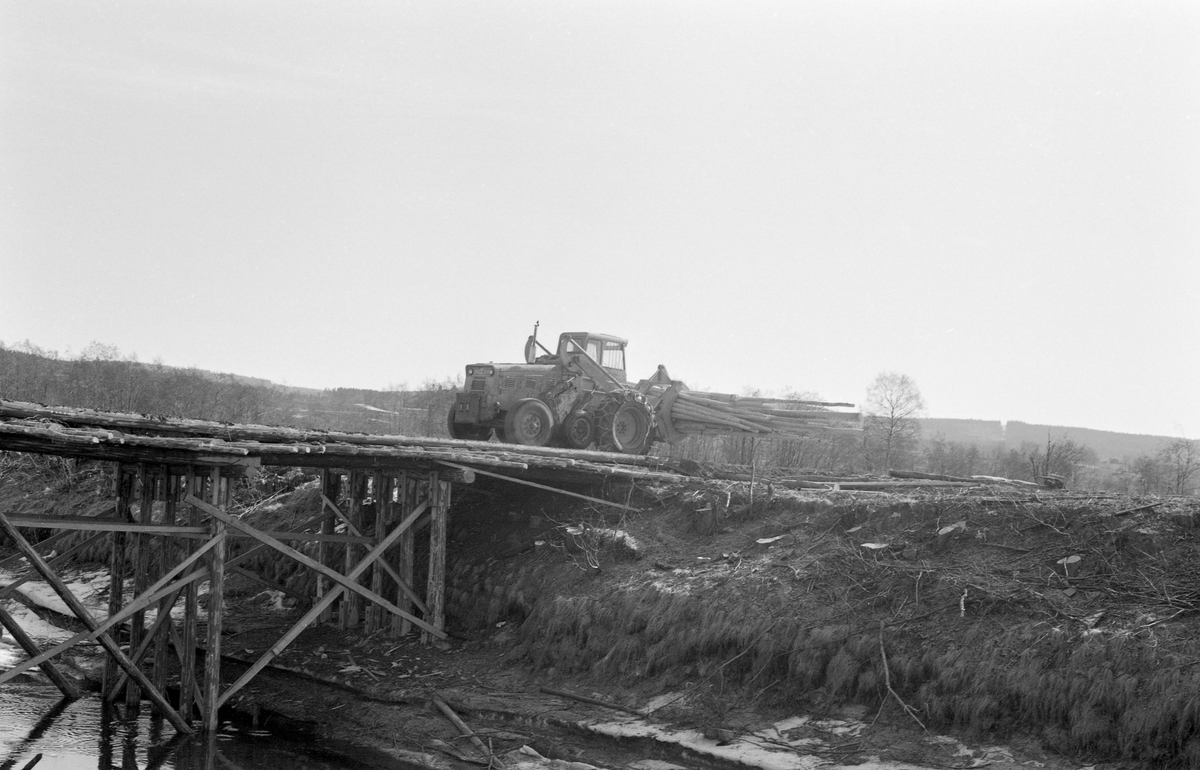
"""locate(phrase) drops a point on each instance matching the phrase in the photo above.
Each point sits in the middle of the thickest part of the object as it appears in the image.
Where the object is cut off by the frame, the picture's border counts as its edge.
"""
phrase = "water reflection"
(88, 734)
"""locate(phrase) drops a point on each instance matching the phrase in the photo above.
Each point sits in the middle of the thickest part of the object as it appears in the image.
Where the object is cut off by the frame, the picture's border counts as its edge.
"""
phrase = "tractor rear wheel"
(465, 430)
(529, 422)
(626, 428)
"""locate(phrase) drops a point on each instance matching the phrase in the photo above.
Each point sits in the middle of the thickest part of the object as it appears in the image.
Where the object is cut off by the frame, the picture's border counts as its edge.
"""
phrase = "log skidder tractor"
(573, 397)
(578, 396)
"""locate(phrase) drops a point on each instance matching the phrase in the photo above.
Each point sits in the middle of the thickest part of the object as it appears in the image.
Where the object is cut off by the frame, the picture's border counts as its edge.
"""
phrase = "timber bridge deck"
(170, 528)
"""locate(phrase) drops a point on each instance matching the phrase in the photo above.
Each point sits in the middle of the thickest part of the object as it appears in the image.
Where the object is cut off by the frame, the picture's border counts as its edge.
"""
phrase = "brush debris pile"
(989, 609)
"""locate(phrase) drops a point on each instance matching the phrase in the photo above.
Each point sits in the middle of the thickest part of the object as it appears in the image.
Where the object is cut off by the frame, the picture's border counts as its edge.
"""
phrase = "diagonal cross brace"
(315, 611)
(148, 597)
(82, 613)
(311, 563)
(400, 582)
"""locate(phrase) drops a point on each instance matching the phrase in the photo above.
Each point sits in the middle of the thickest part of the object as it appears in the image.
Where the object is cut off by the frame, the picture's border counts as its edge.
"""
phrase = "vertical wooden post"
(169, 491)
(116, 564)
(191, 608)
(435, 589)
(331, 483)
(352, 603)
(140, 557)
(216, 604)
(382, 493)
(404, 554)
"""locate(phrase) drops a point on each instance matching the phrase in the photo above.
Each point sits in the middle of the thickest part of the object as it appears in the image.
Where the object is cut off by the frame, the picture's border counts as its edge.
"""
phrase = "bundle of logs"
(696, 412)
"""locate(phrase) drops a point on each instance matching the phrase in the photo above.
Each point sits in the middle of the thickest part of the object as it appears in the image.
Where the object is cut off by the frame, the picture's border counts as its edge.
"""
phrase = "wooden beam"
(65, 685)
(435, 586)
(153, 594)
(315, 611)
(163, 616)
(82, 613)
(405, 587)
(188, 688)
(12, 587)
(596, 500)
(140, 556)
(404, 556)
(352, 604)
(89, 524)
(219, 496)
(321, 568)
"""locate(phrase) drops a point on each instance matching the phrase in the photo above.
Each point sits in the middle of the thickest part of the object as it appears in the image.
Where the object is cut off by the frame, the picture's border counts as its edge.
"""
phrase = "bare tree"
(892, 409)
(1179, 462)
(1061, 458)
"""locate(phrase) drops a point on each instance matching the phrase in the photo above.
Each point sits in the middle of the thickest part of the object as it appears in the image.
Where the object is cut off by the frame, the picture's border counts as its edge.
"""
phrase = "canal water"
(88, 734)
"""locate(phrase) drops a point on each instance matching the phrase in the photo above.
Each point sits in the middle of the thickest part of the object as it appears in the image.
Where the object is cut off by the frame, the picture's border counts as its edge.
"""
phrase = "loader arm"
(578, 360)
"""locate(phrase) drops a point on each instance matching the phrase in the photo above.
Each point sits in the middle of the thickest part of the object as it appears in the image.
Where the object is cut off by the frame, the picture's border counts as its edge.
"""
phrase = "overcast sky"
(999, 199)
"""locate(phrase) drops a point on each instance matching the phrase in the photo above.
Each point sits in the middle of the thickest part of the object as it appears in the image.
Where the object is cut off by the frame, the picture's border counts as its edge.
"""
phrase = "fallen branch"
(592, 701)
(462, 728)
(887, 681)
(1137, 508)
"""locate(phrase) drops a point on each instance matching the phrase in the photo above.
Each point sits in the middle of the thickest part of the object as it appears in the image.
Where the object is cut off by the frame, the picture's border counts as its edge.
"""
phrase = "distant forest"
(101, 377)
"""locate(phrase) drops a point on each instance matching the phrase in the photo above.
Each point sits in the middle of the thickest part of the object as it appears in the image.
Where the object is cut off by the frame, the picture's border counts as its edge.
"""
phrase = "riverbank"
(841, 628)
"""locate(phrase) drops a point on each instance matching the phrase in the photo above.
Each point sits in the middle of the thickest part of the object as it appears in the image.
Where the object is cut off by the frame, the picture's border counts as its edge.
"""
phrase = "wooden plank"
(116, 563)
(534, 484)
(435, 590)
(153, 594)
(82, 613)
(65, 685)
(160, 623)
(12, 587)
(352, 604)
(405, 587)
(219, 496)
(187, 647)
(41, 546)
(317, 609)
(92, 524)
(169, 492)
(380, 493)
(321, 568)
(87, 524)
(140, 557)
(330, 486)
(404, 560)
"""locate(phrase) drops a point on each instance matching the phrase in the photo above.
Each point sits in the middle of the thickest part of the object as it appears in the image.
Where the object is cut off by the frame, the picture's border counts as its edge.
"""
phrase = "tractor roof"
(595, 335)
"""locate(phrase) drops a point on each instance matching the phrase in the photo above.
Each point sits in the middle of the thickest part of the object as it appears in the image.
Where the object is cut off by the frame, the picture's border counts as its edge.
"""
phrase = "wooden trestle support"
(168, 515)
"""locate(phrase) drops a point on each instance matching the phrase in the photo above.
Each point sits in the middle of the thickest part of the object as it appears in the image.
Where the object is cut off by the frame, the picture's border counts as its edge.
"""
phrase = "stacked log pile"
(694, 412)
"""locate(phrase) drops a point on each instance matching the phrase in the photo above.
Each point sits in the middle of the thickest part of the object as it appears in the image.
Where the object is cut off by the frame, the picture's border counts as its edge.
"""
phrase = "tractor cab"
(605, 349)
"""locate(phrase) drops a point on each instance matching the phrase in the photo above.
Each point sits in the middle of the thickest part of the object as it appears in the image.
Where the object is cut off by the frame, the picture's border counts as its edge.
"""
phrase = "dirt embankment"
(915, 614)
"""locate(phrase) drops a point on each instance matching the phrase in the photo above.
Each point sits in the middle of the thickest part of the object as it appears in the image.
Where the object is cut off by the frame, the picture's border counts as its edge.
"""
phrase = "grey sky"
(999, 199)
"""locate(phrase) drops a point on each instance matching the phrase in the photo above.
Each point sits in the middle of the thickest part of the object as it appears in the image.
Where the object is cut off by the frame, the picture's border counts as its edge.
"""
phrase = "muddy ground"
(888, 619)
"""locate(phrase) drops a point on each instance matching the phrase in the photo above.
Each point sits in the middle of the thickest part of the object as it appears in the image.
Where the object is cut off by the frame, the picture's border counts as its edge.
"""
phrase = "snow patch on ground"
(769, 749)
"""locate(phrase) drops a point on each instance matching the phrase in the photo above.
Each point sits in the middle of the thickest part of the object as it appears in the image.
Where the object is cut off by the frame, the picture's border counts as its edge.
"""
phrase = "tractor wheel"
(578, 430)
(530, 422)
(465, 431)
(626, 428)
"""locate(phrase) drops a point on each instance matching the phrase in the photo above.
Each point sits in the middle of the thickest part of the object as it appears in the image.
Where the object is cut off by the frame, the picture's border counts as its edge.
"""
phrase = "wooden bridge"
(173, 480)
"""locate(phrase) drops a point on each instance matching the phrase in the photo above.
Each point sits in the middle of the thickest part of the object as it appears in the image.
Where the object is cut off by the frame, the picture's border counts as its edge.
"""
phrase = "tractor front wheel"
(529, 422)
(579, 430)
